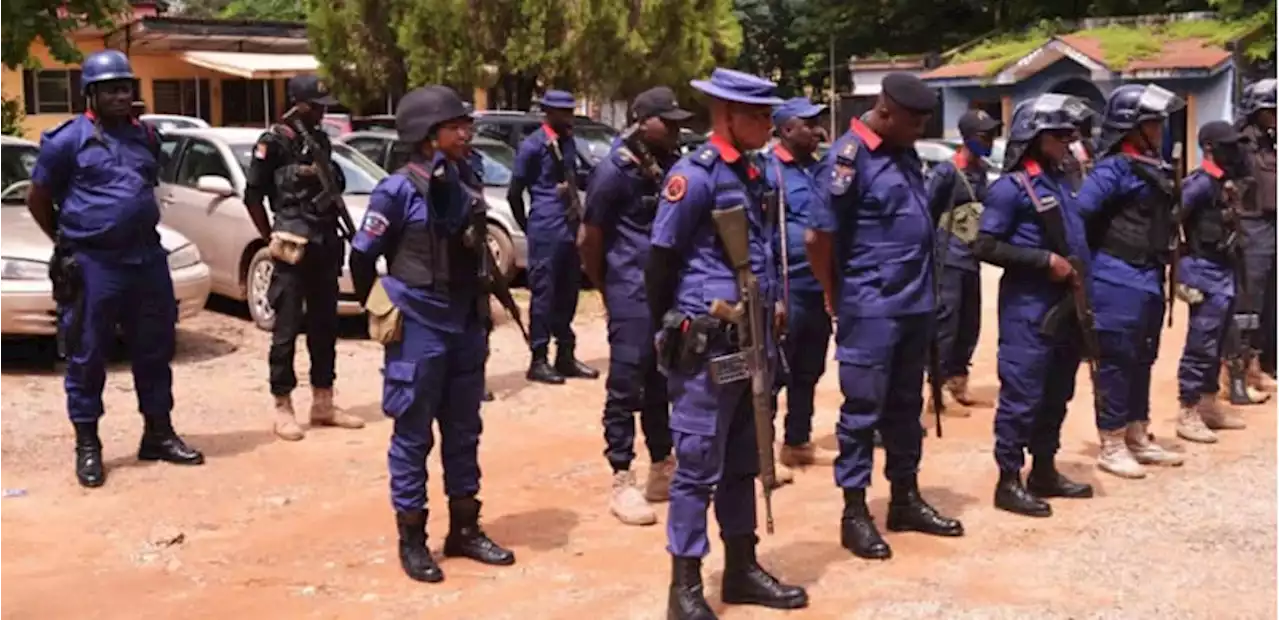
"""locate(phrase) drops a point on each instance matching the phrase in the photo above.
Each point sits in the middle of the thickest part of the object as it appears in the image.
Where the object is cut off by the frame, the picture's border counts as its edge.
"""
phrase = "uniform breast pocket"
(95, 166)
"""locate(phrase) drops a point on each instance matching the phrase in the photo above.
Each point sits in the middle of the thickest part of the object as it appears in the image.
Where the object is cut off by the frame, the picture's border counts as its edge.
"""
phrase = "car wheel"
(504, 253)
(257, 283)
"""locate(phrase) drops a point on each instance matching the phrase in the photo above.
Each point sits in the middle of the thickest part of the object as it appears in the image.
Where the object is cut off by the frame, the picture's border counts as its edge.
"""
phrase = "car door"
(218, 225)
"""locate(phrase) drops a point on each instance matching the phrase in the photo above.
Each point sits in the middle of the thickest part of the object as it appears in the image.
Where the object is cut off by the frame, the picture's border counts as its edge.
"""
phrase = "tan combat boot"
(286, 426)
(783, 474)
(1114, 456)
(1147, 451)
(1218, 418)
(805, 455)
(657, 488)
(627, 504)
(325, 413)
(959, 389)
(1191, 426)
(1259, 380)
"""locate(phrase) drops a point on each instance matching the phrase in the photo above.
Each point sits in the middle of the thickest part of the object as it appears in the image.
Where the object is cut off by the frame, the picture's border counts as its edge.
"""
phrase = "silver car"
(506, 239)
(201, 195)
(26, 294)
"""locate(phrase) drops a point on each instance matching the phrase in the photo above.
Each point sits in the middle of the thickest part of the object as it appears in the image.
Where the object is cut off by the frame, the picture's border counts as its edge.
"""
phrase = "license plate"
(730, 368)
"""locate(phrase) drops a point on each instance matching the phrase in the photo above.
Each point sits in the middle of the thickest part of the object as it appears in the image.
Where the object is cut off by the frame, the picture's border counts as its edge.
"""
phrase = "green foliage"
(28, 21)
(357, 48)
(1002, 51)
(1122, 45)
(11, 117)
(1260, 13)
(277, 10)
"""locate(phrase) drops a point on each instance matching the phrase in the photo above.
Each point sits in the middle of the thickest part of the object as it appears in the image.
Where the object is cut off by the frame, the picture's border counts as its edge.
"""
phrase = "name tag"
(730, 368)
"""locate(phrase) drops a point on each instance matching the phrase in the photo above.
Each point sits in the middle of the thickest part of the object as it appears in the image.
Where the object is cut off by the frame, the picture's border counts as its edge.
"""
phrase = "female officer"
(1128, 201)
(1031, 227)
(431, 312)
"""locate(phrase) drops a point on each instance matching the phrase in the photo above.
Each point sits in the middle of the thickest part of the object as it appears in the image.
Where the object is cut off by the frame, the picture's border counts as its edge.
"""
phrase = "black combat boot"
(858, 531)
(467, 540)
(745, 582)
(488, 395)
(1046, 481)
(1015, 498)
(415, 558)
(541, 371)
(1238, 384)
(89, 468)
(908, 512)
(685, 599)
(571, 367)
(160, 443)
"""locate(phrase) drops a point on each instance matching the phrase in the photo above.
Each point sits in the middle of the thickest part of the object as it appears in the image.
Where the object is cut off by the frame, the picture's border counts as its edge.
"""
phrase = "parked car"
(593, 140)
(26, 294)
(336, 124)
(201, 195)
(506, 240)
(165, 122)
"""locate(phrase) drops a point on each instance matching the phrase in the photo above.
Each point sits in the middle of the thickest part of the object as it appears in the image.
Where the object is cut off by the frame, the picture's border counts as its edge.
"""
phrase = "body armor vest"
(297, 186)
(1138, 229)
(429, 256)
(1260, 200)
(1211, 233)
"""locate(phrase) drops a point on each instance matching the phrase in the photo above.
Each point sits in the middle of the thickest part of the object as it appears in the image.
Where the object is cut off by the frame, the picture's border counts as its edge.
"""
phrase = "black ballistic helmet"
(421, 110)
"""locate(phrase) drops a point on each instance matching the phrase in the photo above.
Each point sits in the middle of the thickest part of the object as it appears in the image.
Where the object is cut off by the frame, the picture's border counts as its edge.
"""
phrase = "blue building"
(1189, 54)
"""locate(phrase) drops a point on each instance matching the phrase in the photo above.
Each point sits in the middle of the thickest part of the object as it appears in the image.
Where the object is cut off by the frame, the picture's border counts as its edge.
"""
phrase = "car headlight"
(183, 257)
(20, 269)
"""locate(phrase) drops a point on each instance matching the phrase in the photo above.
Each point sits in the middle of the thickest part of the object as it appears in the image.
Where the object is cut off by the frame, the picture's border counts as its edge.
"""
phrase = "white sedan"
(26, 294)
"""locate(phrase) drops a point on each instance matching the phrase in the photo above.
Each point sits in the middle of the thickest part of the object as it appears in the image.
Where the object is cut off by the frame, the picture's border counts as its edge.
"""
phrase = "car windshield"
(498, 161)
(16, 163)
(595, 140)
(165, 124)
(361, 174)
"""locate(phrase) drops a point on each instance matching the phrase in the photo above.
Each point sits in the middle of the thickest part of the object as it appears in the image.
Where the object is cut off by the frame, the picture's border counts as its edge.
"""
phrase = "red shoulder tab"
(869, 137)
(284, 130)
(1212, 168)
(1032, 167)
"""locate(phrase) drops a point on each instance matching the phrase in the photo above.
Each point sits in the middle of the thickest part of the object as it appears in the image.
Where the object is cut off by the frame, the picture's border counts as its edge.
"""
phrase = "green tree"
(11, 119)
(28, 21)
(278, 10)
(357, 48)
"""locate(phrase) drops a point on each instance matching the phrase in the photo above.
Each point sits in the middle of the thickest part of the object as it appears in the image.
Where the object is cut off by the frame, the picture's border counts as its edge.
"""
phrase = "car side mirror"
(215, 185)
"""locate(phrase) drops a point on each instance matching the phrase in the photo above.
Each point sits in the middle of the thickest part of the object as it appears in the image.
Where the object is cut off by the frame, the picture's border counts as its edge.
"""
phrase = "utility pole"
(831, 46)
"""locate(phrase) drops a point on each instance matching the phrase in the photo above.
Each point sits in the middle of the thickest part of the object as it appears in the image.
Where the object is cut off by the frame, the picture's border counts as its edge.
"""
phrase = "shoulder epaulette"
(849, 152)
(626, 158)
(706, 155)
(49, 133)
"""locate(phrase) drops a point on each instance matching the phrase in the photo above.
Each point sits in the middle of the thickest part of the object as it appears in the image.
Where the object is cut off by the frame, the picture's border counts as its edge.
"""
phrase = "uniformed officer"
(622, 200)
(873, 222)
(1030, 226)
(957, 189)
(789, 172)
(109, 269)
(711, 423)
(1258, 126)
(546, 165)
(428, 219)
(1207, 281)
(306, 253)
(1128, 204)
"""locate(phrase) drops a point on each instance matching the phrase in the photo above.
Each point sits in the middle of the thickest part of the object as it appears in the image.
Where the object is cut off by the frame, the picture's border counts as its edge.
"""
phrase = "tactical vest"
(1138, 229)
(1211, 233)
(1261, 197)
(297, 186)
(651, 181)
(428, 256)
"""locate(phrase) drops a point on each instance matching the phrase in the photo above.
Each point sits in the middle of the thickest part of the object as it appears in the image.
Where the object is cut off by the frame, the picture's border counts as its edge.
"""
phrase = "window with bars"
(55, 91)
(181, 97)
(248, 103)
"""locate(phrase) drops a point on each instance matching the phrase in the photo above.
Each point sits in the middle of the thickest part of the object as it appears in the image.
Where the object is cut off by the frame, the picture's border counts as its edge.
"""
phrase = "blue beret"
(909, 92)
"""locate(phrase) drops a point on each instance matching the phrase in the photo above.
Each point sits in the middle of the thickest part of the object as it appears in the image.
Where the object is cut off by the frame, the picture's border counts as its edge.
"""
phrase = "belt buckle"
(730, 368)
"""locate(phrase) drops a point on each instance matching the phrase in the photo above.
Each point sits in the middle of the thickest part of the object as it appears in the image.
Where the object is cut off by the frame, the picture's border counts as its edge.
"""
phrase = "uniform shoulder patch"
(842, 176)
(260, 151)
(375, 224)
(676, 188)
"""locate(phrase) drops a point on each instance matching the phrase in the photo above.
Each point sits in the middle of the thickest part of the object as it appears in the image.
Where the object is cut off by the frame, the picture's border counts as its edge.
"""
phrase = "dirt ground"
(305, 530)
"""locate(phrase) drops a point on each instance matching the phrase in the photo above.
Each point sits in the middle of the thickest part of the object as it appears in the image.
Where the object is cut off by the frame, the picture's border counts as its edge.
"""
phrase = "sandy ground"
(304, 530)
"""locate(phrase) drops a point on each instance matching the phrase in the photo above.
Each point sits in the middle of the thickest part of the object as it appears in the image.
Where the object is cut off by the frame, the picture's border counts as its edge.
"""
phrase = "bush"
(11, 122)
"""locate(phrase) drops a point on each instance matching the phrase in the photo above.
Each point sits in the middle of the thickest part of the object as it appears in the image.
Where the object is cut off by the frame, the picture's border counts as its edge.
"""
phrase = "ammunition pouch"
(386, 323)
(684, 341)
(1246, 321)
(287, 247)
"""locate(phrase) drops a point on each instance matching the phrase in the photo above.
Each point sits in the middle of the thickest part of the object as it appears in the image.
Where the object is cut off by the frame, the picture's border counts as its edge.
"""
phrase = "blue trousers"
(715, 444)
(1037, 380)
(1129, 346)
(959, 320)
(808, 337)
(881, 374)
(434, 375)
(1206, 335)
(138, 299)
(555, 278)
(634, 385)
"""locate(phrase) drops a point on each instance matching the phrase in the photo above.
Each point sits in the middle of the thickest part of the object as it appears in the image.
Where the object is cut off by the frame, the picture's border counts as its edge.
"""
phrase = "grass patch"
(1121, 44)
